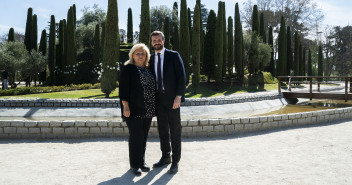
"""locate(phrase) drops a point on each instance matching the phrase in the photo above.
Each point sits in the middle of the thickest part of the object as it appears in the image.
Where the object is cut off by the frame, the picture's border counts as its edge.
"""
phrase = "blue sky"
(13, 13)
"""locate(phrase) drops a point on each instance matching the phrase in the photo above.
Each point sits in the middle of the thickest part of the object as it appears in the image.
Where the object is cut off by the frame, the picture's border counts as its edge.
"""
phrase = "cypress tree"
(51, 55)
(271, 43)
(301, 66)
(224, 42)
(96, 54)
(289, 52)
(175, 31)
(144, 27)
(11, 36)
(102, 41)
(309, 65)
(230, 46)
(255, 21)
(320, 61)
(43, 43)
(184, 34)
(74, 15)
(167, 32)
(209, 43)
(111, 49)
(296, 56)
(64, 54)
(28, 33)
(262, 28)
(34, 38)
(196, 49)
(238, 44)
(190, 27)
(282, 59)
(130, 27)
(253, 62)
(202, 33)
(218, 49)
(71, 45)
(304, 62)
(59, 54)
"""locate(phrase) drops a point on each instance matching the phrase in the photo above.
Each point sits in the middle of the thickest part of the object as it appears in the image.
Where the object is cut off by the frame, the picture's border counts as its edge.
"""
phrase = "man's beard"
(158, 46)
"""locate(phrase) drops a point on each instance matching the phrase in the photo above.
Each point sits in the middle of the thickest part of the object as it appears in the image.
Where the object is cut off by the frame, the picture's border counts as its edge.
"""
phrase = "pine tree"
(282, 60)
(184, 34)
(34, 33)
(111, 49)
(255, 21)
(238, 44)
(144, 27)
(28, 33)
(51, 52)
(271, 43)
(167, 32)
(71, 46)
(262, 28)
(196, 49)
(320, 61)
(209, 43)
(230, 46)
(296, 56)
(218, 49)
(290, 65)
(130, 27)
(11, 36)
(309, 65)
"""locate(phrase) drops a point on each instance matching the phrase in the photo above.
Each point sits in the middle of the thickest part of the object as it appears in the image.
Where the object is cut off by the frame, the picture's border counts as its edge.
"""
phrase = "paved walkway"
(319, 154)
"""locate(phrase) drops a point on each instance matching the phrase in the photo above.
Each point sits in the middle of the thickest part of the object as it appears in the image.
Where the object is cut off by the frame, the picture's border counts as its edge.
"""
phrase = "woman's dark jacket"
(131, 90)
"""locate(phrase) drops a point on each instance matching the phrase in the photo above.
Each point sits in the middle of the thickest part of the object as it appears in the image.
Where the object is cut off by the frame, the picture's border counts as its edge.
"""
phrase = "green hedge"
(48, 89)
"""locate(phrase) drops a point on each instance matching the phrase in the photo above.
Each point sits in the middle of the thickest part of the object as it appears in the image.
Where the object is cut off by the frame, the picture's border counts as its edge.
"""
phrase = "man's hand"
(126, 112)
(177, 102)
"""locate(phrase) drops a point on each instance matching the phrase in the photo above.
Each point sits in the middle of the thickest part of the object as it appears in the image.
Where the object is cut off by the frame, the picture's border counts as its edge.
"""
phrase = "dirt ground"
(319, 154)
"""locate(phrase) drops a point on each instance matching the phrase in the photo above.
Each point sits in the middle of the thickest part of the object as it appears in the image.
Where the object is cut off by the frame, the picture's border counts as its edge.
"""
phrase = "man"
(170, 78)
(4, 76)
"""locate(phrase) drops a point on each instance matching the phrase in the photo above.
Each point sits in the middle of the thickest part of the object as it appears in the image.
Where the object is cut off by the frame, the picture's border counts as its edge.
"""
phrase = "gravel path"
(318, 154)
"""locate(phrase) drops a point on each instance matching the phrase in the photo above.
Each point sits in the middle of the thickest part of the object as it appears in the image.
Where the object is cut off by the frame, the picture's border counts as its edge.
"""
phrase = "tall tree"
(290, 65)
(144, 27)
(282, 61)
(224, 42)
(190, 26)
(130, 26)
(96, 55)
(209, 43)
(309, 65)
(184, 34)
(51, 52)
(71, 45)
(301, 64)
(11, 36)
(167, 32)
(238, 44)
(304, 62)
(175, 31)
(59, 54)
(230, 50)
(296, 56)
(111, 49)
(218, 49)
(74, 15)
(34, 33)
(262, 27)
(196, 48)
(255, 21)
(43, 43)
(320, 61)
(28, 33)
(271, 43)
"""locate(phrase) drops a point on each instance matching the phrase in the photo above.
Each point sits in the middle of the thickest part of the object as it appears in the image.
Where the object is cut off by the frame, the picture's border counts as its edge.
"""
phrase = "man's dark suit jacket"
(174, 77)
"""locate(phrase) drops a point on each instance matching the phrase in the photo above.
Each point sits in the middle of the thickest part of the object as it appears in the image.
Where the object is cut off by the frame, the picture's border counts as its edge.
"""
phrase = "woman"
(137, 96)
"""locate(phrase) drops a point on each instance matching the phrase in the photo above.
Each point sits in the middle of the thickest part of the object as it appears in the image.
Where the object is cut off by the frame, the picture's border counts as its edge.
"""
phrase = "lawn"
(205, 90)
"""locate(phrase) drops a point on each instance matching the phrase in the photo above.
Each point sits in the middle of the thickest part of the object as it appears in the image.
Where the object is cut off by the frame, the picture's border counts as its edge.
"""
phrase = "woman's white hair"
(133, 49)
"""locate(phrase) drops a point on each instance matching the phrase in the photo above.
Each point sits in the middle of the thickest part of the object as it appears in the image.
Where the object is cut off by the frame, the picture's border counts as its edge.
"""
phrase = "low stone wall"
(190, 128)
(116, 102)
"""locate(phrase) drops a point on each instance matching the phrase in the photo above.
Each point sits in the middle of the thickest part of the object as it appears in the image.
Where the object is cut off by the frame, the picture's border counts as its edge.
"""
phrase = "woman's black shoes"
(136, 171)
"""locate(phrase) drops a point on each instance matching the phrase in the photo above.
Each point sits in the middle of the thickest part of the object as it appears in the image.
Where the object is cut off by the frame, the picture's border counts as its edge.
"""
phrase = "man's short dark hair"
(156, 33)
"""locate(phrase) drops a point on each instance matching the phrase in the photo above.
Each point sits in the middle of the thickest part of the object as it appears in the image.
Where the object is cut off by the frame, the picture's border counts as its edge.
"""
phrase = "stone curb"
(190, 128)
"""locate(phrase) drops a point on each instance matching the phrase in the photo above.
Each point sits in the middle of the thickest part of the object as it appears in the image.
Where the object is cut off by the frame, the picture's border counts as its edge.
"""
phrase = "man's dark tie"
(160, 79)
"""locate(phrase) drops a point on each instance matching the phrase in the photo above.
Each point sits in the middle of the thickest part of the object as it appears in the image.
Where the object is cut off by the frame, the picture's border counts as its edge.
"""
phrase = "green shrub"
(269, 79)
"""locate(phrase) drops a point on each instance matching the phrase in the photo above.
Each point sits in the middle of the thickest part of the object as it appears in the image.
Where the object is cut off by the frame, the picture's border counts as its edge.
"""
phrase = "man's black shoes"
(162, 162)
(136, 171)
(173, 168)
(145, 168)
